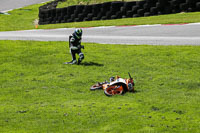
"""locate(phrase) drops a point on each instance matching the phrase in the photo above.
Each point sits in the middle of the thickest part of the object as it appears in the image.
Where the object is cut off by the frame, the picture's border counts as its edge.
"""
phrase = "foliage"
(84, 2)
(41, 94)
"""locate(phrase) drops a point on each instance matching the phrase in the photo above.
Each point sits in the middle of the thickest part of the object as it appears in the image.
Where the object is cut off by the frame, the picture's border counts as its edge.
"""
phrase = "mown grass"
(41, 94)
(23, 19)
(20, 19)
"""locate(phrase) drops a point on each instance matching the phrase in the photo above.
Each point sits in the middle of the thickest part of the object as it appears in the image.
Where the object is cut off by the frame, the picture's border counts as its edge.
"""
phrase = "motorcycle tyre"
(96, 87)
(109, 94)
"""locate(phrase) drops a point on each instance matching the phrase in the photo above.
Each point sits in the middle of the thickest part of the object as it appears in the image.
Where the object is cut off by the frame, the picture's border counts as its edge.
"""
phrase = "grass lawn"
(23, 19)
(41, 94)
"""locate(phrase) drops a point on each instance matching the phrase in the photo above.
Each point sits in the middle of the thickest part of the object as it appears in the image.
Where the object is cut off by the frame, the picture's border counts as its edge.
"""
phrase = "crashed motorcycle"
(116, 86)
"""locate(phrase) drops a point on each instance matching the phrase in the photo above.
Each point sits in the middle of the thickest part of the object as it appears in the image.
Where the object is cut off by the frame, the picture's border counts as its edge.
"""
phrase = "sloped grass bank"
(20, 19)
(23, 19)
(41, 94)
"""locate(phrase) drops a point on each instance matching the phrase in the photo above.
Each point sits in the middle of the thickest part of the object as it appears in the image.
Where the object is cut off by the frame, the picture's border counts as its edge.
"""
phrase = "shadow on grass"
(91, 64)
(136, 91)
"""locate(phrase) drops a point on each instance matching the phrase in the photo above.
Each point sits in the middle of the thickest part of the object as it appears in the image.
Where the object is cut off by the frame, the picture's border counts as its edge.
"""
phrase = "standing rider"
(75, 46)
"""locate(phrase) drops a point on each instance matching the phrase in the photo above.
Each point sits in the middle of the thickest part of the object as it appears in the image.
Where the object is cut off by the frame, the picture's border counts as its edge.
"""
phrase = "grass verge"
(23, 19)
(20, 19)
(41, 94)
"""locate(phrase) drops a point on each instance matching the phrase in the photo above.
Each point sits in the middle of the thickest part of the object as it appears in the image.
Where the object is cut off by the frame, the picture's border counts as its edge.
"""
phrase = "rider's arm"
(72, 43)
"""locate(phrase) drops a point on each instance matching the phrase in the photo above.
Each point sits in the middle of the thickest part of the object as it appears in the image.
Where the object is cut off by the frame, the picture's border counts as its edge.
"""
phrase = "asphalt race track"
(180, 34)
(6, 5)
(187, 34)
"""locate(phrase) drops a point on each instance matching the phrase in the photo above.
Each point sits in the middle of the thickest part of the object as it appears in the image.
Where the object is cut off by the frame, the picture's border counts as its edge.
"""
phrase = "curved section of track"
(187, 34)
(6, 5)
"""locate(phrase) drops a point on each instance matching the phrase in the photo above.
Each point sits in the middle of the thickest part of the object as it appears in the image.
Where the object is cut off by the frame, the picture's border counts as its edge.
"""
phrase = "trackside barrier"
(49, 14)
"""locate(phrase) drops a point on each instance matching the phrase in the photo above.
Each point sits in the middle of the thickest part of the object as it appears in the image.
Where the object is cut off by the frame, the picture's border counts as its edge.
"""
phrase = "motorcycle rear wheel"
(113, 90)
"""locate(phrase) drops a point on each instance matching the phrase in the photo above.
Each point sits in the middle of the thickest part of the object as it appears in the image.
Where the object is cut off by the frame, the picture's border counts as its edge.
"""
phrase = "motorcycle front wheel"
(96, 87)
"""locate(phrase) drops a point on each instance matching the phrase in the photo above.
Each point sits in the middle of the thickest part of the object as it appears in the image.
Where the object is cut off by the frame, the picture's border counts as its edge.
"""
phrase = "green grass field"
(23, 19)
(41, 94)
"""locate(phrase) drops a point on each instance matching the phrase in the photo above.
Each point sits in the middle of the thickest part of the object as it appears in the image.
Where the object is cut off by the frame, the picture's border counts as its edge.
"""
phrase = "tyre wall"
(49, 14)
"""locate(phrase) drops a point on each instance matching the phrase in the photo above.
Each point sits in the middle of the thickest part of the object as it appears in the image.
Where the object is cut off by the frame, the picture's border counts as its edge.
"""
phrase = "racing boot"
(81, 57)
(79, 61)
(71, 62)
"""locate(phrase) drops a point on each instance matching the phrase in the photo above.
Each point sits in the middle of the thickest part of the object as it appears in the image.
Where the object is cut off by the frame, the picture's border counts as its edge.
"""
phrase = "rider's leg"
(73, 54)
(81, 57)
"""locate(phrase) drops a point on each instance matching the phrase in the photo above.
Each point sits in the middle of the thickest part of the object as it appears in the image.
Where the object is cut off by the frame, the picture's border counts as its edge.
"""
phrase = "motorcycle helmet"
(78, 33)
(130, 86)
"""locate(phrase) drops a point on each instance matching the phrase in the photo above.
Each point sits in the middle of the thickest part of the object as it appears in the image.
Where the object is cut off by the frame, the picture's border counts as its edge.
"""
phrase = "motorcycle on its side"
(116, 86)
